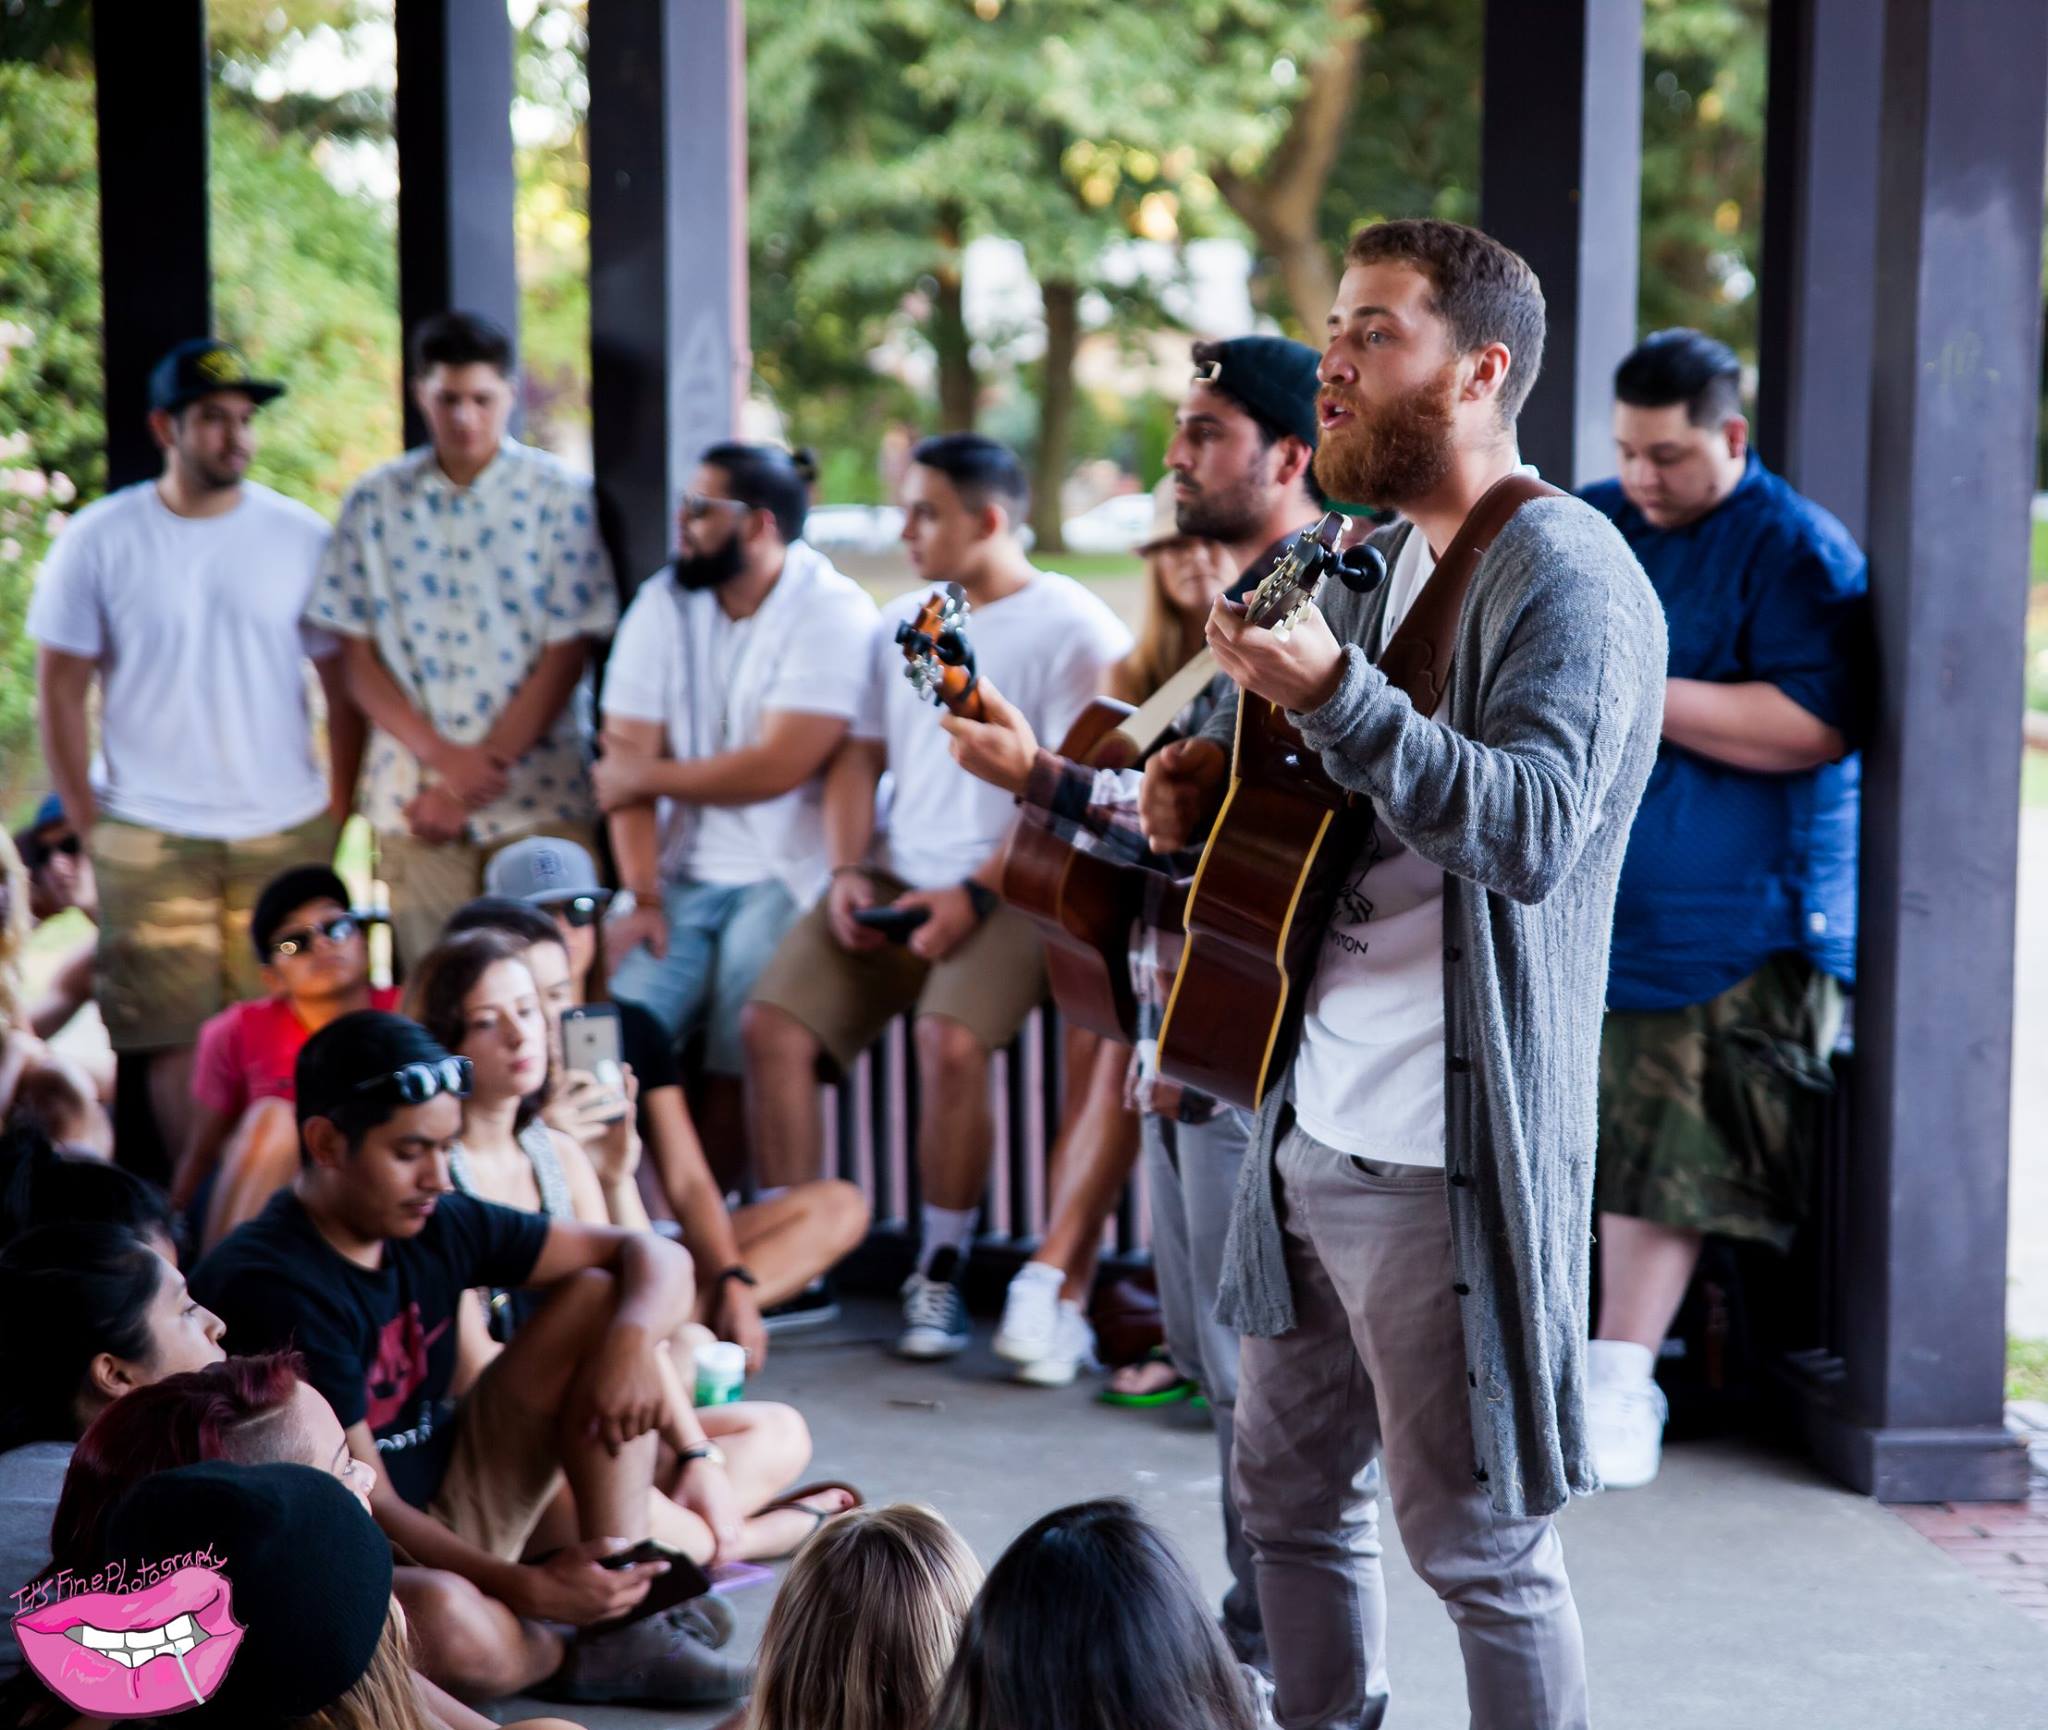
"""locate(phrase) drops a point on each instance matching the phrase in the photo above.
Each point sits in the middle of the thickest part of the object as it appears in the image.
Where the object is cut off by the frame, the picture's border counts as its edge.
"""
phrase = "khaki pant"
(1374, 1369)
(174, 924)
(428, 880)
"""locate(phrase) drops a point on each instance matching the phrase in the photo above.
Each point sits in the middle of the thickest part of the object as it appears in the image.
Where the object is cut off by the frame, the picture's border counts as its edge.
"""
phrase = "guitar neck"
(1146, 723)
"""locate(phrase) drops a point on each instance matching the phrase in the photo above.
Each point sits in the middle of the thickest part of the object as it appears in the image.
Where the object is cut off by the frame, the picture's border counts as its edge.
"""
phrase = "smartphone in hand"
(894, 923)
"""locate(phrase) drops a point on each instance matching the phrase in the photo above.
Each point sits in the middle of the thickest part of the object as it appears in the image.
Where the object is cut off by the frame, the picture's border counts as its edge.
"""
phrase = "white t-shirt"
(1048, 648)
(1369, 1076)
(710, 680)
(195, 624)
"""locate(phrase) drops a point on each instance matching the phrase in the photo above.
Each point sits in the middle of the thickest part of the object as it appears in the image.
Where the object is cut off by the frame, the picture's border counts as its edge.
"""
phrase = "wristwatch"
(981, 897)
(709, 1452)
(622, 903)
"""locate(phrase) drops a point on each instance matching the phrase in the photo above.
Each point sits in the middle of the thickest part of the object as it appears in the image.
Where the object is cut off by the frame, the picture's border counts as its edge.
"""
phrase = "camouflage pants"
(1711, 1115)
(174, 924)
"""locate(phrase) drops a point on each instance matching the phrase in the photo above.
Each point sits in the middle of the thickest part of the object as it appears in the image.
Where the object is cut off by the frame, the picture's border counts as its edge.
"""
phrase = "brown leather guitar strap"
(1418, 660)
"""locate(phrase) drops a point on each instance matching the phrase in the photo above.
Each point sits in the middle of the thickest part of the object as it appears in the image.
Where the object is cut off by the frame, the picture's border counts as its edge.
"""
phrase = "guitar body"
(1257, 913)
(1082, 905)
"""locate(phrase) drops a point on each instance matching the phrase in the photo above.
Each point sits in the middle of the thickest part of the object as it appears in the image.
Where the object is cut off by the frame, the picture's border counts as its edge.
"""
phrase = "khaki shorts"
(989, 984)
(504, 1471)
(174, 924)
(428, 880)
(1711, 1116)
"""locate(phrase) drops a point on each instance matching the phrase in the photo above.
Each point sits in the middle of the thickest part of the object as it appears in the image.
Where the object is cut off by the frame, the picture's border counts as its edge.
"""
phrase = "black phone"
(894, 923)
(647, 1550)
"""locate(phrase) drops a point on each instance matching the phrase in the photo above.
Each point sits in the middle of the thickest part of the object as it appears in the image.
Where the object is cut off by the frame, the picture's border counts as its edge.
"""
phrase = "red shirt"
(247, 1052)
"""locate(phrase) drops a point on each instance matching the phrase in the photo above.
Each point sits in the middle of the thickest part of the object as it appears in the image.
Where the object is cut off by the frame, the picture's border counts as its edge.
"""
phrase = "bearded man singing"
(1408, 1251)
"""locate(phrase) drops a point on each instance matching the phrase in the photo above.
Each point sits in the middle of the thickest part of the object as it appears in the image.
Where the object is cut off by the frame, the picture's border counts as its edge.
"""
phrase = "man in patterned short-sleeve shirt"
(466, 579)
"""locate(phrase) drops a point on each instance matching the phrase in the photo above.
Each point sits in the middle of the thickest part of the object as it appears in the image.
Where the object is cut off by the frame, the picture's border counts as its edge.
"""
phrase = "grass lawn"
(2026, 1369)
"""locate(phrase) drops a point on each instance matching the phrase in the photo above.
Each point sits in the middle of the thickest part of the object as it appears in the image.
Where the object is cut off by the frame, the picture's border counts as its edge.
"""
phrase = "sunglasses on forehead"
(417, 1083)
(299, 939)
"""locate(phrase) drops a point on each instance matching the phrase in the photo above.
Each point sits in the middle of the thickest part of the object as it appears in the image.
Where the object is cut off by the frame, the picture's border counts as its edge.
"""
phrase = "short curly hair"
(1484, 291)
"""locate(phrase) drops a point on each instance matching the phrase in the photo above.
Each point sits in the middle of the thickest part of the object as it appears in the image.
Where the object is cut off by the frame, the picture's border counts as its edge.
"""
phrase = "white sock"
(946, 1228)
(1619, 1363)
(1040, 1273)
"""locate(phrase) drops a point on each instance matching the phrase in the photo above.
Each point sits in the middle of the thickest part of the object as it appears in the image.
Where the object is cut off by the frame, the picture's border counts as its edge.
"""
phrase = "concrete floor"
(1738, 1591)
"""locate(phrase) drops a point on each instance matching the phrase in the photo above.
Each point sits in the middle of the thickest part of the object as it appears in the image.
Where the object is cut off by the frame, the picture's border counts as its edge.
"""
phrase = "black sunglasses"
(35, 854)
(696, 505)
(417, 1083)
(583, 910)
(300, 938)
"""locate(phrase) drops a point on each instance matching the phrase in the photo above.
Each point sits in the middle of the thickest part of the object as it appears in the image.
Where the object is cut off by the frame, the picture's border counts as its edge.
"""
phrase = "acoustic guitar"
(1276, 855)
(1274, 861)
(1082, 903)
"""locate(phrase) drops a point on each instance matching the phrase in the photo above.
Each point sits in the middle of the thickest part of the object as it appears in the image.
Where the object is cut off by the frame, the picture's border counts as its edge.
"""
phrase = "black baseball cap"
(199, 368)
(1272, 378)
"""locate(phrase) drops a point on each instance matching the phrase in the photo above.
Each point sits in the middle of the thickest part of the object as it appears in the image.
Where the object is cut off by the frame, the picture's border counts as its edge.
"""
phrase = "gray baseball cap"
(543, 870)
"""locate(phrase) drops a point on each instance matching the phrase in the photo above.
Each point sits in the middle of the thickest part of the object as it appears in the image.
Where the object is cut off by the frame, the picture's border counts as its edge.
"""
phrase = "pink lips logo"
(150, 1653)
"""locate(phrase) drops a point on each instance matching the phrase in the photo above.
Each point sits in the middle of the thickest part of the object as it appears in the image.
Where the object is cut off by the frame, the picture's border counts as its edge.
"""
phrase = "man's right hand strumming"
(1182, 788)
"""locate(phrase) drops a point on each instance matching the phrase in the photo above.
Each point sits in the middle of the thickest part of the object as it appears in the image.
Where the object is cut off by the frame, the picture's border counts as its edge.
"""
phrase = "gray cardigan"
(1525, 799)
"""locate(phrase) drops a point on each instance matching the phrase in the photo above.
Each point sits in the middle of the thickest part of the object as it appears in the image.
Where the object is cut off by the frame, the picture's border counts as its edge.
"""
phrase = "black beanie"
(285, 893)
(309, 1575)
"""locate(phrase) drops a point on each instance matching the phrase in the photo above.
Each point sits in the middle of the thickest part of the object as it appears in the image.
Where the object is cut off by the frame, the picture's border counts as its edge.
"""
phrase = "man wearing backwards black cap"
(1240, 460)
(316, 961)
(183, 597)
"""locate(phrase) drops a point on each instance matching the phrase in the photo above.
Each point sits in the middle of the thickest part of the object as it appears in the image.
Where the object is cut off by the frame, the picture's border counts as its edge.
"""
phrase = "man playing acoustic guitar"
(1243, 442)
(1408, 1253)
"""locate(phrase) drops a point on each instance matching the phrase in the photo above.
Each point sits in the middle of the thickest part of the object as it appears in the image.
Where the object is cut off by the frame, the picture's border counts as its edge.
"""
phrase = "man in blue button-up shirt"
(1735, 926)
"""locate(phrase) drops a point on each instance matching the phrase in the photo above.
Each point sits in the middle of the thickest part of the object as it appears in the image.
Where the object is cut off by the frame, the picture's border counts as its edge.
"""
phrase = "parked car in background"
(854, 528)
(1115, 526)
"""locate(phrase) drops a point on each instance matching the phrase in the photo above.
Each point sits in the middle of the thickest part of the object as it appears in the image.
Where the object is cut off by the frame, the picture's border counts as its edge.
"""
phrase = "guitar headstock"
(1290, 587)
(938, 659)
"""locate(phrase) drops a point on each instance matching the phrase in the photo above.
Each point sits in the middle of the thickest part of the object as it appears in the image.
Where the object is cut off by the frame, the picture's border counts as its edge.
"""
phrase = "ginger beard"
(1391, 455)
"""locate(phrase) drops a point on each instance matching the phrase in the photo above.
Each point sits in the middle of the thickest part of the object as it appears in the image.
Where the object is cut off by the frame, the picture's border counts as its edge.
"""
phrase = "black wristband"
(739, 1271)
(983, 899)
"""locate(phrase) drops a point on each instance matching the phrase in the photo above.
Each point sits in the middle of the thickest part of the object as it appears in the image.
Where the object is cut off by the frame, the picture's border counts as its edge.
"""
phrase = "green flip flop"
(1179, 1389)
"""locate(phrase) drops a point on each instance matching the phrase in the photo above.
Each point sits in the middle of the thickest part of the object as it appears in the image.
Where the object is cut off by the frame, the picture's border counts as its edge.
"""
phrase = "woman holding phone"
(475, 993)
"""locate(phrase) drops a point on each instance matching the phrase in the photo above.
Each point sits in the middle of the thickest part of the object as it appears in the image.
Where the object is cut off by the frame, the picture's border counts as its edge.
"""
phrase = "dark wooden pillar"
(455, 245)
(1913, 1410)
(155, 284)
(1560, 160)
(1820, 250)
(668, 257)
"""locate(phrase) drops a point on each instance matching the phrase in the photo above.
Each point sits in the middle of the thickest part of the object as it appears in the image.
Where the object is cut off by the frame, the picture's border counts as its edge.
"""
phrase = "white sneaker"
(1625, 1426)
(935, 1323)
(1031, 1313)
(1071, 1351)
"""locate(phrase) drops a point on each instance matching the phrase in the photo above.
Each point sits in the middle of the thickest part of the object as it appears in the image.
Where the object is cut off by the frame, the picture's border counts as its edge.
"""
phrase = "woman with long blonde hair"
(865, 1624)
(1183, 576)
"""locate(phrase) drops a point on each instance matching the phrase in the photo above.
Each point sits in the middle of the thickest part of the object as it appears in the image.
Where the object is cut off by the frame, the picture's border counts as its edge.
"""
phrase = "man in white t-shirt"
(183, 597)
(466, 580)
(971, 969)
(732, 680)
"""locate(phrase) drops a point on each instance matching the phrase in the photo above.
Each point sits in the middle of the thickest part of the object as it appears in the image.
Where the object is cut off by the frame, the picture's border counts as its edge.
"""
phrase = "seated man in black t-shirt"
(360, 1266)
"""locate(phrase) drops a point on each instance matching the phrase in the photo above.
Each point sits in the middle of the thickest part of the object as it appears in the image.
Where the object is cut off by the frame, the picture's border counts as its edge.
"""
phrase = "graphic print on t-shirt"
(1353, 909)
(399, 1369)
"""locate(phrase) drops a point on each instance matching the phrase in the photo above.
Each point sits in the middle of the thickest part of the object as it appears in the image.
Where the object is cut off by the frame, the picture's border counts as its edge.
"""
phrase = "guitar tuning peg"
(1362, 568)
